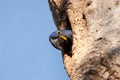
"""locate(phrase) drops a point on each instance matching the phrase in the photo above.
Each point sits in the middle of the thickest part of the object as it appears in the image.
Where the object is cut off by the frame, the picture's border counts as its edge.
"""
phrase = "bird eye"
(59, 32)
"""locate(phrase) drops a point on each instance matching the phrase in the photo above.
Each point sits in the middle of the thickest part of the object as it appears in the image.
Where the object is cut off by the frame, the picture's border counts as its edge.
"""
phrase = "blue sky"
(25, 52)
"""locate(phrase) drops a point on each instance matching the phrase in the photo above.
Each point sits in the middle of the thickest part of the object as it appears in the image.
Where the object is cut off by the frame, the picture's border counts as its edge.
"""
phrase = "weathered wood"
(96, 37)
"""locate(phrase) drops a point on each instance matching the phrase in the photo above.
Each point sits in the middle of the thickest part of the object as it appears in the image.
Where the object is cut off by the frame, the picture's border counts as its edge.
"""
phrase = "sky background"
(25, 51)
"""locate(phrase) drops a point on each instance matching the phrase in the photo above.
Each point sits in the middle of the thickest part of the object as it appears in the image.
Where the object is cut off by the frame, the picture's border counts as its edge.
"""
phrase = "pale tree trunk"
(96, 37)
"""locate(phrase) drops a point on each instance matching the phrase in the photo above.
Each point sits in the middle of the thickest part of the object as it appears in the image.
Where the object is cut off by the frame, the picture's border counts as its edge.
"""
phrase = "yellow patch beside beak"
(63, 37)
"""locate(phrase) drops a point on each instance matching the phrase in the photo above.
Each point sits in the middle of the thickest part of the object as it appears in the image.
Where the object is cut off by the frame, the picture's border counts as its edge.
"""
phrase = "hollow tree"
(96, 37)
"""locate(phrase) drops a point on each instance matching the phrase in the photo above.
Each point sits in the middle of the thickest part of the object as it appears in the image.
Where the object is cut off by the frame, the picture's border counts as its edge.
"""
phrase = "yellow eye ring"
(59, 32)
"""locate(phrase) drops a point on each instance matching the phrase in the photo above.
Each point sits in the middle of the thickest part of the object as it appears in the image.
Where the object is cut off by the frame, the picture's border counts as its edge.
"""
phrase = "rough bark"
(96, 37)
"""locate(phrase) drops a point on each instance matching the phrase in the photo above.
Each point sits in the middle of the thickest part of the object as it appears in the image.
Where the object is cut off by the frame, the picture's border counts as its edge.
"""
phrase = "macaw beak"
(55, 43)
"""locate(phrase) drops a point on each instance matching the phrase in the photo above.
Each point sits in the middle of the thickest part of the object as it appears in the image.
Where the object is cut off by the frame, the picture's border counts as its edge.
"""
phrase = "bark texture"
(96, 37)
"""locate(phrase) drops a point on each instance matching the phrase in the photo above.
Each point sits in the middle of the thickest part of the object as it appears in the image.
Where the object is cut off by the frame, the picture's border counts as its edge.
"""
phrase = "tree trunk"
(96, 37)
